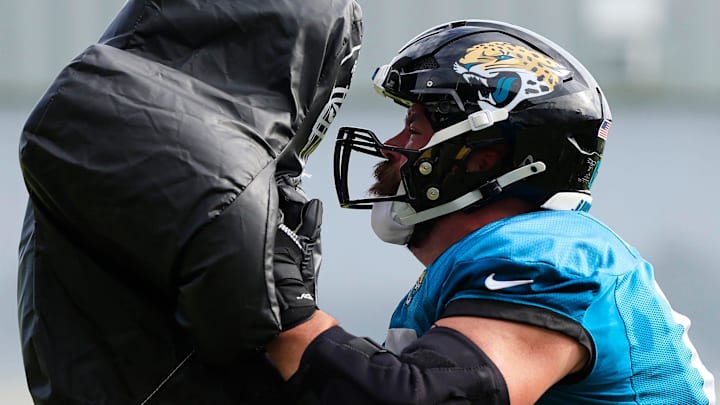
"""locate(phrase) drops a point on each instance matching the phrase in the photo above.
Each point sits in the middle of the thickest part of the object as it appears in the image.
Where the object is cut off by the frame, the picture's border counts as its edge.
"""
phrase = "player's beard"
(387, 182)
(387, 179)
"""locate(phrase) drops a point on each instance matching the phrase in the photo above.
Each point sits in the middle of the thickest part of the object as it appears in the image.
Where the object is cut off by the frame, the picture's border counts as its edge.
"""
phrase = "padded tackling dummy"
(151, 165)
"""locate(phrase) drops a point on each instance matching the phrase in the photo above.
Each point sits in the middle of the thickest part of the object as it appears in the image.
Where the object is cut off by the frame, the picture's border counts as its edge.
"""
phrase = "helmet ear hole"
(486, 158)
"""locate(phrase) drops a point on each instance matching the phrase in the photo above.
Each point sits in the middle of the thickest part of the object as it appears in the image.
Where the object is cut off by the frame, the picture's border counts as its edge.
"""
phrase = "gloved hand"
(297, 256)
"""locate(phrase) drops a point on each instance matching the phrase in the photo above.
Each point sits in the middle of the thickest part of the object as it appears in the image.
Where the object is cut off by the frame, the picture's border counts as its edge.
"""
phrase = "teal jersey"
(566, 271)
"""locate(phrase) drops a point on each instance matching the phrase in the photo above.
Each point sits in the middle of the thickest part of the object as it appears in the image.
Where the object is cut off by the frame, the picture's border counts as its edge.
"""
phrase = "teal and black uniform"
(568, 272)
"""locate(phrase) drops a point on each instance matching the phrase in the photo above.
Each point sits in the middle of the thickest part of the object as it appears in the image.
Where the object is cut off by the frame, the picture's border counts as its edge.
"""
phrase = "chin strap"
(492, 187)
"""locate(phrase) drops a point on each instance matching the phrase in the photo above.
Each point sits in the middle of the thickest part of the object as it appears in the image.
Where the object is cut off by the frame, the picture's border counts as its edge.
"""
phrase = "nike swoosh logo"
(492, 284)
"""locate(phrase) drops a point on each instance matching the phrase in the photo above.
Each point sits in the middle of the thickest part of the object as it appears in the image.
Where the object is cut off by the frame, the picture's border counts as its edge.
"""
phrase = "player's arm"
(329, 366)
(477, 359)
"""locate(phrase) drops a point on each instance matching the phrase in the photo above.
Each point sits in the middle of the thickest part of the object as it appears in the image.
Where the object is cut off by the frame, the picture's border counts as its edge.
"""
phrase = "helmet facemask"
(436, 180)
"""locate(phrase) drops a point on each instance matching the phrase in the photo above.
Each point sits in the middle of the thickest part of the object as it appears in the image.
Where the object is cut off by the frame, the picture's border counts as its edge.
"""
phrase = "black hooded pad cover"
(151, 163)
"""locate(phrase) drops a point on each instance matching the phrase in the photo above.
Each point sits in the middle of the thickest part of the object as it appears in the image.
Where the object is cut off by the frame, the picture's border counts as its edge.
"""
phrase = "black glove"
(297, 256)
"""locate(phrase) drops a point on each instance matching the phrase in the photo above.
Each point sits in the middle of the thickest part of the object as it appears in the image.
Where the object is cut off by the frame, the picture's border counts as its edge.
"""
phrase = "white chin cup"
(385, 225)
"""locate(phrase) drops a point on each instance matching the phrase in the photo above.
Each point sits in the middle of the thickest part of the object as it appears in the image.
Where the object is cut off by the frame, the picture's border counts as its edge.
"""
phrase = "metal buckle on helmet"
(483, 119)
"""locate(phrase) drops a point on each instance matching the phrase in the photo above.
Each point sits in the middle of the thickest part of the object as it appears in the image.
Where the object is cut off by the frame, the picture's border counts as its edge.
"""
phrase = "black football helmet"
(483, 82)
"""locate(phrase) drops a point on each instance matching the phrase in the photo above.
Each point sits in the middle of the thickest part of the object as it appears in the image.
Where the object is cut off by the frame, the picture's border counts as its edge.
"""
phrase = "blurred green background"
(657, 60)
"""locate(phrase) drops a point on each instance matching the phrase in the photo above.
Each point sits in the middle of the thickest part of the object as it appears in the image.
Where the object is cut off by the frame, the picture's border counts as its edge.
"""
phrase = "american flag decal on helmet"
(604, 128)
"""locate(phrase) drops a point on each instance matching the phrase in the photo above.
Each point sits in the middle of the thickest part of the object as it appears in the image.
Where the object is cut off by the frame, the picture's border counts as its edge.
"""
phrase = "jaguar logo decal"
(507, 74)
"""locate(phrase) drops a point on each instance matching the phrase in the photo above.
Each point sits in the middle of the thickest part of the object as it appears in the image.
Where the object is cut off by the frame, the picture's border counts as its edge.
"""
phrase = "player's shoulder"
(560, 227)
(567, 241)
